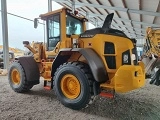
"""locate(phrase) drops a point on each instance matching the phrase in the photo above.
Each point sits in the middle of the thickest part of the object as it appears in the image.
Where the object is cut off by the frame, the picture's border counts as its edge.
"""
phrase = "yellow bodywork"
(142, 66)
(128, 77)
(122, 79)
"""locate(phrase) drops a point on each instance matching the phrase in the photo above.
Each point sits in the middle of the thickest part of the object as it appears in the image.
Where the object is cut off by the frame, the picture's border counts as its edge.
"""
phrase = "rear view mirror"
(35, 22)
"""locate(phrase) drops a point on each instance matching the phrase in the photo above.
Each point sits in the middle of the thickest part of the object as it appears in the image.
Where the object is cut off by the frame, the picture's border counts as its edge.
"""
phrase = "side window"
(53, 25)
(73, 26)
(109, 54)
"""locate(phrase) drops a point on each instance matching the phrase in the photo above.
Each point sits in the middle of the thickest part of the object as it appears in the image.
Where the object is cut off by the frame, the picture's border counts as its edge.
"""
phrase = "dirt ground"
(39, 104)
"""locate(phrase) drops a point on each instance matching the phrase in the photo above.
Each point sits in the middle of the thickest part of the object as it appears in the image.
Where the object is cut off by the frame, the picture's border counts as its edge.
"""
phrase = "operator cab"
(61, 24)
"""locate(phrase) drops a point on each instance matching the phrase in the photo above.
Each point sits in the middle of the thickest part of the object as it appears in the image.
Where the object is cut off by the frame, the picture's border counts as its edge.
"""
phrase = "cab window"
(74, 26)
(53, 24)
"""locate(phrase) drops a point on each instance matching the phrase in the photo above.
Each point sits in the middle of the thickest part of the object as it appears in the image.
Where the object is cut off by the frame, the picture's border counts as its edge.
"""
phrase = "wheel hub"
(70, 86)
(15, 76)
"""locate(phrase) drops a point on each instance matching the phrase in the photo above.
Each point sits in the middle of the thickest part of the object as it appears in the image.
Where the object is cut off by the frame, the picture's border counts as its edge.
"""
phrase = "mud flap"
(31, 69)
(129, 77)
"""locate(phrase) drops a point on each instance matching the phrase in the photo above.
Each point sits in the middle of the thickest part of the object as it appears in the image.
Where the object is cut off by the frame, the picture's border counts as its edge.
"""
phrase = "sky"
(20, 30)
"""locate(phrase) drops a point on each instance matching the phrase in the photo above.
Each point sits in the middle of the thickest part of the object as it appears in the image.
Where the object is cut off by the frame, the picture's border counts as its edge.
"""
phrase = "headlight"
(125, 58)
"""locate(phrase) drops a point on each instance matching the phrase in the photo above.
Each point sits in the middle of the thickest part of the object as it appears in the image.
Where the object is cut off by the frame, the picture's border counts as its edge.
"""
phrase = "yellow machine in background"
(13, 52)
(152, 45)
(152, 52)
(17, 52)
(78, 63)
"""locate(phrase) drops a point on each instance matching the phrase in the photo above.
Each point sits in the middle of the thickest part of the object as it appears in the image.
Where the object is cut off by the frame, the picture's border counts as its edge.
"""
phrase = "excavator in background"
(151, 54)
(78, 63)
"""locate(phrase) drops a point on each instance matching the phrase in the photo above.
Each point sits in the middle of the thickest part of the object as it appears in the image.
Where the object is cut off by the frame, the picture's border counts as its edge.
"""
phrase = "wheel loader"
(76, 63)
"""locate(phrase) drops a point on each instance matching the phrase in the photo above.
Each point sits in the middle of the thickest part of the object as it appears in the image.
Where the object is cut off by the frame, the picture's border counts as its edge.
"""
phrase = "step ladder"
(107, 91)
(108, 94)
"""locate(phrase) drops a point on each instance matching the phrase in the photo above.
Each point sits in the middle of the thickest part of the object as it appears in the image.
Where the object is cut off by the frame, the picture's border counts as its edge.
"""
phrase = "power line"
(22, 17)
(26, 19)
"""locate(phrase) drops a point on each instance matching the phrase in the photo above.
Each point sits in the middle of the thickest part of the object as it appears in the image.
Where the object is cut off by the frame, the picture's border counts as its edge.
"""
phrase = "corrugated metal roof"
(130, 16)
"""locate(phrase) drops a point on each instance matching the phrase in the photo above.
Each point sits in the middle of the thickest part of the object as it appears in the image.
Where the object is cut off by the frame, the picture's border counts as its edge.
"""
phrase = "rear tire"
(17, 78)
(73, 84)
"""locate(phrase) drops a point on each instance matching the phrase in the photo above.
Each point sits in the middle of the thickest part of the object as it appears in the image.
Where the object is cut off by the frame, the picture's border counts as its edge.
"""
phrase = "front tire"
(73, 83)
(17, 78)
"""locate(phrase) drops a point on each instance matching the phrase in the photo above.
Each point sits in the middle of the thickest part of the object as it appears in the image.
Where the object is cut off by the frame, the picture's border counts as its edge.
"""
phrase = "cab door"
(53, 32)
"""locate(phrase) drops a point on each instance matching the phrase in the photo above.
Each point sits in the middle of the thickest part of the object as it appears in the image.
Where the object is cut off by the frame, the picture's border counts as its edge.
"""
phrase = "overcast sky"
(20, 29)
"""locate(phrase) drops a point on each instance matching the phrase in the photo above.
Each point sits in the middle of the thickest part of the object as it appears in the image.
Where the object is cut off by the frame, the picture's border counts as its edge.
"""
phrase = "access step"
(47, 88)
(107, 95)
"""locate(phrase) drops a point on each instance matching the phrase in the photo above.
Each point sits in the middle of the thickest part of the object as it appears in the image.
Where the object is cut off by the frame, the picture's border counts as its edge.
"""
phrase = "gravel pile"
(39, 104)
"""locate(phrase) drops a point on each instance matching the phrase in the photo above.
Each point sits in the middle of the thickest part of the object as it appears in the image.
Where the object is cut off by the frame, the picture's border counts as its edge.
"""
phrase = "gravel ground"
(39, 104)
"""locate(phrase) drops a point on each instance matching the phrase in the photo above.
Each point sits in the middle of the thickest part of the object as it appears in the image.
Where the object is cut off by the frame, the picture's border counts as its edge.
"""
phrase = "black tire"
(82, 72)
(23, 85)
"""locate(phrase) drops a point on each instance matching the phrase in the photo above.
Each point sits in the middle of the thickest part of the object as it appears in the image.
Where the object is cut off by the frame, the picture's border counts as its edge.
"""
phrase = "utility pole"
(5, 33)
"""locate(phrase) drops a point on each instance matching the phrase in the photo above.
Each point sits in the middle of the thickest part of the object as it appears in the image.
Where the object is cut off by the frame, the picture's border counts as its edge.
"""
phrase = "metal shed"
(130, 16)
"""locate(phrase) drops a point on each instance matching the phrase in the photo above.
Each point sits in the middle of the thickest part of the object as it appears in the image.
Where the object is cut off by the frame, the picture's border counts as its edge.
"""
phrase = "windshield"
(73, 26)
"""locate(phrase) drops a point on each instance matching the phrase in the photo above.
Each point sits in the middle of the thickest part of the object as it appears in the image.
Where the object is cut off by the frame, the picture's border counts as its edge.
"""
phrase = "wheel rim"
(15, 76)
(70, 86)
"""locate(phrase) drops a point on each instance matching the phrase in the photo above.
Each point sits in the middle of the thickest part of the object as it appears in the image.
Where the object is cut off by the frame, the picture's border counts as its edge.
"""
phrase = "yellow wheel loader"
(78, 63)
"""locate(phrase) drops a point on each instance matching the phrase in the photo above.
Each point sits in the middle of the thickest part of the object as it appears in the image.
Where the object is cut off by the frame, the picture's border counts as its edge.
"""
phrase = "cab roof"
(46, 15)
